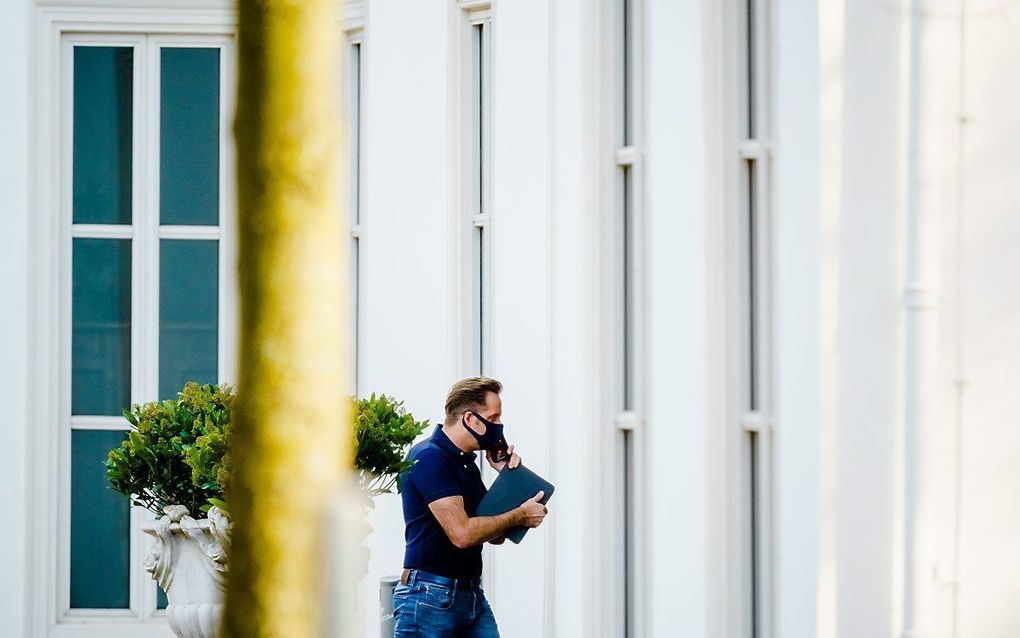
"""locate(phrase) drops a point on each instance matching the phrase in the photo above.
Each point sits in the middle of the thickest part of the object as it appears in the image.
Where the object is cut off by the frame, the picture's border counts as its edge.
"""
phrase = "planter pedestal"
(188, 560)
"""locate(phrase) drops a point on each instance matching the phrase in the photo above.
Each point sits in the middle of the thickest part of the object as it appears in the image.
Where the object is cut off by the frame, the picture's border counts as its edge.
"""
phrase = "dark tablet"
(510, 489)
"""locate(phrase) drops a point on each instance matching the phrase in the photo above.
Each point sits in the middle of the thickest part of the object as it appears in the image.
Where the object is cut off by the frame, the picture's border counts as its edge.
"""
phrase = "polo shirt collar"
(443, 442)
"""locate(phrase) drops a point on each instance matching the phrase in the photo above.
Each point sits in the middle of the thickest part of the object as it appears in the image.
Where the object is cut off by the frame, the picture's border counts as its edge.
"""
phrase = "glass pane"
(481, 301)
(161, 601)
(752, 61)
(188, 313)
(627, 63)
(755, 523)
(627, 297)
(482, 142)
(100, 526)
(189, 134)
(752, 288)
(355, 134)
(101, 154)
(356, 310)
(100, 326)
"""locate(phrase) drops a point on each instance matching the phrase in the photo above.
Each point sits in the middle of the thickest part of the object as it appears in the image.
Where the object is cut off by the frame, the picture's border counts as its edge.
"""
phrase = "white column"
(802, 330)
(869, 312)
(405, 212)
(929, 117)
(519, 294)
(579, 588)
(681, 366)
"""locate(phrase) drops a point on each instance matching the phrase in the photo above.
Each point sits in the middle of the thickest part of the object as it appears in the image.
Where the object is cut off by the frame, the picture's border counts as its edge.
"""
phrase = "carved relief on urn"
(188, 560)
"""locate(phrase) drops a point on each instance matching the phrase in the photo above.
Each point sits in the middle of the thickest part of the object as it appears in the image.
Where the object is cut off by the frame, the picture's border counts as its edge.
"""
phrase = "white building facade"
(744, 269)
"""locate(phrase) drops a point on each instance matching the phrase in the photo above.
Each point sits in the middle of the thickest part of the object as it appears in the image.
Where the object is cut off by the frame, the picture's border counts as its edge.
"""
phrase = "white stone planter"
(188, 560)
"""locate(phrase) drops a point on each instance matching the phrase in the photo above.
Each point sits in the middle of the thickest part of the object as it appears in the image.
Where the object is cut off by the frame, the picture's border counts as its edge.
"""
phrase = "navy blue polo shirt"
(442, 469)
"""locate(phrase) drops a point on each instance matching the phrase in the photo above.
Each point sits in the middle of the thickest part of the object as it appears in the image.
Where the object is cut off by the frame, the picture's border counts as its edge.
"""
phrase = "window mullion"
(629, 224)
(139, 303)
(147, 237)
(191, 232)
(102, 231)
(755, 399)
(228, 290)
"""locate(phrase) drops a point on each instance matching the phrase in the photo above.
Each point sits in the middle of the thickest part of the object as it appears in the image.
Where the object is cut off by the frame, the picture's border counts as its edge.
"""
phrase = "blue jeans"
(429, 606)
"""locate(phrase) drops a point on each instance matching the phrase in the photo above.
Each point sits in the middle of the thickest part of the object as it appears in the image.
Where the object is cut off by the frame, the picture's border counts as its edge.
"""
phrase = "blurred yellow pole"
(290, 444)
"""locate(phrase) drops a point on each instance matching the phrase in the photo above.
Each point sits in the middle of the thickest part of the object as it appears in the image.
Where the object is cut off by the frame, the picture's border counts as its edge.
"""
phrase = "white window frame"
(624, 275)
(354, 84)
(58, 28)
(751, 232)
(472, 221)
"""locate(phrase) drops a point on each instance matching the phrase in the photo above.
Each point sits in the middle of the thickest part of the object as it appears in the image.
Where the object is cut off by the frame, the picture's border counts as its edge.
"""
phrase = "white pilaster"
(931, 118)
(15, 261)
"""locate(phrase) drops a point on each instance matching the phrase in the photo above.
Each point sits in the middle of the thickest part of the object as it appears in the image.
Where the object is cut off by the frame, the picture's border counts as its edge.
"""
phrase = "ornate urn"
(188, 560)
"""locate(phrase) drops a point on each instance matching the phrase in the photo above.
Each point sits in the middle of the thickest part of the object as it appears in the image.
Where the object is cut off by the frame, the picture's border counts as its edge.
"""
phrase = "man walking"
(440, 590)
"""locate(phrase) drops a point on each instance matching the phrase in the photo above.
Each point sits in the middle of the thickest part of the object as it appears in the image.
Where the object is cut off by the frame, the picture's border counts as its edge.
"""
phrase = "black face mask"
(492, 441)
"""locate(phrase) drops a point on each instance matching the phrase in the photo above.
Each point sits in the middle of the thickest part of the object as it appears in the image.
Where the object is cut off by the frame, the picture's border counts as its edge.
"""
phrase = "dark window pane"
(100, 526)
(161, 601)
(100, 326)
(101, 181)
(189, 134)
(355, 134)
(188, 313)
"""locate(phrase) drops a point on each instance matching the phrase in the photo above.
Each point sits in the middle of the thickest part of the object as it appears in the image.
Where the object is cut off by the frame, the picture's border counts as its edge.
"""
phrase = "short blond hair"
(469, 394)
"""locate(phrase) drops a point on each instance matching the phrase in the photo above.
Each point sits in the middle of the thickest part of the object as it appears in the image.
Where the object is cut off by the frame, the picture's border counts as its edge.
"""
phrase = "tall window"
(148, 282)
(753, 222)
(355, 92)
(477, 175)
(628, 231)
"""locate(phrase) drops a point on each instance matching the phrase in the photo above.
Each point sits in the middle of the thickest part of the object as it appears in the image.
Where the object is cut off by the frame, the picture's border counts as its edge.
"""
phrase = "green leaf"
(383, 432)
(175, 451)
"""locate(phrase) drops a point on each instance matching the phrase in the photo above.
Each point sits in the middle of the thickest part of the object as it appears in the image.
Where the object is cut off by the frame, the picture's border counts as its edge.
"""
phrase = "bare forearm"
(464, 531)
(480, 529)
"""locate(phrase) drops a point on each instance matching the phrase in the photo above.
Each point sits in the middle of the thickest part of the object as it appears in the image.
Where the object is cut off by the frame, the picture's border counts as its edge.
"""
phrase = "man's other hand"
(533, 511)
(513, 462)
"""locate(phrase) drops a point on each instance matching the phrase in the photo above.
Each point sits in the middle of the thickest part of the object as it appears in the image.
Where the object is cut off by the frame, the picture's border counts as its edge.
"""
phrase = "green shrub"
(383, 430)
(178, 451)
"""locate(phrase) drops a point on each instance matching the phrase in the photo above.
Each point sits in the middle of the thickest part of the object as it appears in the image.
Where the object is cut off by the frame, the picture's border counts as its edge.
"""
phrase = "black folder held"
(510, 489)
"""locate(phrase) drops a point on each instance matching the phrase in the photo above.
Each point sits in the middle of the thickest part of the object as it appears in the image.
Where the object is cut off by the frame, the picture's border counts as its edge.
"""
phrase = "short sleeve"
(433, 477)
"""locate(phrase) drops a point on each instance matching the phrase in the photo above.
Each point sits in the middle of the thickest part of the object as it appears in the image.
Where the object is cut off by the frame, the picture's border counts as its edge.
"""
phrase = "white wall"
(842, 81)
(577, 425)
(987, 307)
(802, 354)
(868, 310)
(14, 326)
(520, 289)
(405, 241)
(681, 334)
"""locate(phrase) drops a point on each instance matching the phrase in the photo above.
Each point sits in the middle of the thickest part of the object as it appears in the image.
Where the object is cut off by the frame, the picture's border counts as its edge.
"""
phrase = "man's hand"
(532, 511)
(513, 462)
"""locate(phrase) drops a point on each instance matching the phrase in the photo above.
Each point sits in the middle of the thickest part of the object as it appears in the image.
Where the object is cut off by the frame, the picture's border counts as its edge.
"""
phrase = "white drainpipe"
(921, 301)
